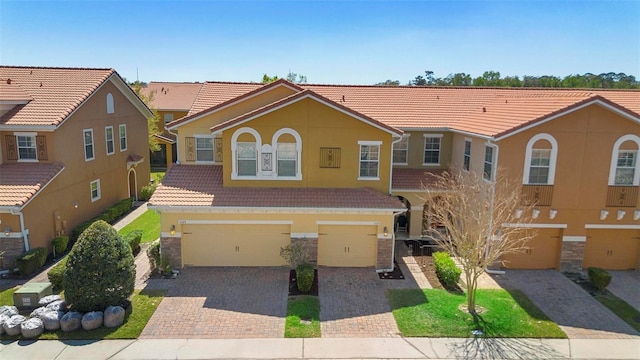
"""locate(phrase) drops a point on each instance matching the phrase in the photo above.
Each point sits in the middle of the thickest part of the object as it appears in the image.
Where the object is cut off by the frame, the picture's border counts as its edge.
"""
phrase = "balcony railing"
(622, 196)
(539, 195)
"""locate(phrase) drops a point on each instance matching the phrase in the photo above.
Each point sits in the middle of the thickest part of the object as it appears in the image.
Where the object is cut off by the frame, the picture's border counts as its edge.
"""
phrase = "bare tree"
(154, 119)
(477, 214)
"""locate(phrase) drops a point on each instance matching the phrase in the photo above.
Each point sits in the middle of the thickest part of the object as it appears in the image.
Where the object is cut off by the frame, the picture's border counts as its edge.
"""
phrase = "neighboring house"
(172, 101)
(72, 143)
(263, 166)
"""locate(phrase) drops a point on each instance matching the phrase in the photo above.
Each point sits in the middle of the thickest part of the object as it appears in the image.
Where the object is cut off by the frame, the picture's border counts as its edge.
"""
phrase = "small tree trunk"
(471, 292)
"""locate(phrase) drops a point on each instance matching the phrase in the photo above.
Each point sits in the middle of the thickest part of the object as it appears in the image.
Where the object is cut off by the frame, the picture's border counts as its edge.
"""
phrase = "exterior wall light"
(604, 214)
(535, 213)
(74, 204)
(173, 230)
(386, 231)
(7, 231)
(553, 213)
(621, 214)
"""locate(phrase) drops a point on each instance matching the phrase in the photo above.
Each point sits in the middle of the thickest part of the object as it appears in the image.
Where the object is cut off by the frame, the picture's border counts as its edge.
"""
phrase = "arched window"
(288, 146)
(245, 144)
(625, 167)
(110, 107)
(540, 160)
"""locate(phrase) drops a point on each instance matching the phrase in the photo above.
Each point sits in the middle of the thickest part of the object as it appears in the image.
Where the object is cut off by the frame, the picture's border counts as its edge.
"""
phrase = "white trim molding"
(614, 160)
(372, 223)
(574, 239)
(235, 222)
(552, 160)
(535, 226)
(165, 234)
(611, 226)
(304, 235)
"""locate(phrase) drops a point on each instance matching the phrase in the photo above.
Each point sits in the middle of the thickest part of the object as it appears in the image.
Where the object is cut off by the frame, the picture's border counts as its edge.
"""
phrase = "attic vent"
(9, 81)
(438, 97)
(484, 109)
(41, 84)
(343, 99)
(506, 101)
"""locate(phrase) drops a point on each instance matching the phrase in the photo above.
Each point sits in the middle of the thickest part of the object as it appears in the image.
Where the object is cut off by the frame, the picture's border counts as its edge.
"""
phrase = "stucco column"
(415, 221)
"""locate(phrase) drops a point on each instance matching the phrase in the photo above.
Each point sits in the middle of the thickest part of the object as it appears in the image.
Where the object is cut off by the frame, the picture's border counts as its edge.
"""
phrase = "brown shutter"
(12, 147)
(217, 146)
(41, 143)
(330, 157)
(190, 148)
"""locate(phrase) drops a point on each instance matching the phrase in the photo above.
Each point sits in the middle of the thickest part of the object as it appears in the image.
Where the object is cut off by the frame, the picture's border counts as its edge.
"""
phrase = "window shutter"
(217, 146)
(330, 157)
(190, 148)
(41, 143)
(12, 147)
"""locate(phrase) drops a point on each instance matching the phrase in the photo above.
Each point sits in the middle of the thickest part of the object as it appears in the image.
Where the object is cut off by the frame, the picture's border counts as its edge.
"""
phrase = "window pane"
(369, 160)
(538, 175)
(287, 158)
(627, 159)
(400, 156)
(27, 148)
(204, 149)
(247, 167)
(246, 151)
(287, 151)
(624, 176)
(431, 150)
(286, 168)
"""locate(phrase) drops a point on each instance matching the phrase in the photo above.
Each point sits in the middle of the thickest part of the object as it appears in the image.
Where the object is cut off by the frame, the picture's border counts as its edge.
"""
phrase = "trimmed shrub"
(147, 191)
(599, 278)
(153, 252)
(100, 270)
(60, 244)
(31, 260)
(110, 215)
(304, 276)
(133, 238)
(78, 230)
(56, 273)
(446, 269)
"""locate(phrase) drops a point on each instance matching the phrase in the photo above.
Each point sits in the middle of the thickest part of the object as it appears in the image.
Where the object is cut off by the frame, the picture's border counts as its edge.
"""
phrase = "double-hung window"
(88, 144)
(626, 167)
(369, 160)
(95, 190)
(487, 174)
(247, 158)
(168, 118)
(27, 147)
(539, 166)
(122, 129)
(287, 159)
(467, 155)
(401, 150)
(432, 143)
(204, 149)
(108, 135)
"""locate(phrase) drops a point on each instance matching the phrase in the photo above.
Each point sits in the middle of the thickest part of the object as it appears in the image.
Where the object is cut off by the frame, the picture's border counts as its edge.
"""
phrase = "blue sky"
(359, 42)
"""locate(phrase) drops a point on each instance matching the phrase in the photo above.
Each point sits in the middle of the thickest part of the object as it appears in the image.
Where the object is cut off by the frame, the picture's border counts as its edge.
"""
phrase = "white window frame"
(168, 118)
(92, 144)
(466, 157)
(614, 160)
(274, 142)
(406, 151)
(424, 148)
(110, 105)
(552, 159)
(234, 153)
(121, 137)
(99, 195)
(492, 163)
(31, 135)
(106, 140)
(213, 150)
(369, 143)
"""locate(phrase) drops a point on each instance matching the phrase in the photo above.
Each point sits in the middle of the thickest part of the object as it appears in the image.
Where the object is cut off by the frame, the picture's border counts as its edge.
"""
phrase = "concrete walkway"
(323, 348)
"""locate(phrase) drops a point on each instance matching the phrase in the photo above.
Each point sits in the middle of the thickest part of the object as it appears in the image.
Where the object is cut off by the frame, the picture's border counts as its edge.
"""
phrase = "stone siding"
(172, 248)
(12, 248)
(385, 253)
(572, 256)
(311, 247)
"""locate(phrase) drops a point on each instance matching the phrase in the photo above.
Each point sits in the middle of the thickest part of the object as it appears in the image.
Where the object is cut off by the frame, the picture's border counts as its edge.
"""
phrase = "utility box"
(29, 294)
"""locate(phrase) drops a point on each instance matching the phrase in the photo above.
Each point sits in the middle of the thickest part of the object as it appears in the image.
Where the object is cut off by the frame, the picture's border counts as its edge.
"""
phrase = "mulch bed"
(396, 274)
(429, 270)
(293, 285)
(584, 283)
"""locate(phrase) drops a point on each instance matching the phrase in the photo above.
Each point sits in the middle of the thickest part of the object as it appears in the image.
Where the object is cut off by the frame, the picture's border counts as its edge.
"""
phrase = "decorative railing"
(622, 196)
(540, 195)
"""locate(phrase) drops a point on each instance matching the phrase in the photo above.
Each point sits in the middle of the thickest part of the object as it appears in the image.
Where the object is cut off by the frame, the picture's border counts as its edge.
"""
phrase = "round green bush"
(100, 270)
(304, 276)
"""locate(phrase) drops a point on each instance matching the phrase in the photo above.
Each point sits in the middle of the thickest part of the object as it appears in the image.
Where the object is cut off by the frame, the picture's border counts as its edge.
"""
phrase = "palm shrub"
(100, 270)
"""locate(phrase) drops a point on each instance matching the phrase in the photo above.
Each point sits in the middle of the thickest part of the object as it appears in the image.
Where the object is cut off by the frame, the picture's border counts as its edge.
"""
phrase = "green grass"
(148, 222)
(157, 176)
(302, 307)
(619, 307)
(435, 313)
(6, 296)
(143, 304)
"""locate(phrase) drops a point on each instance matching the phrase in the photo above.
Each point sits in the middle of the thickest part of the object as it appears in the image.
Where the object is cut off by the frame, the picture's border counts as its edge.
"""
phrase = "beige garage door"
(347, 245)
(541, 252)
(612, 249)
(234, 245)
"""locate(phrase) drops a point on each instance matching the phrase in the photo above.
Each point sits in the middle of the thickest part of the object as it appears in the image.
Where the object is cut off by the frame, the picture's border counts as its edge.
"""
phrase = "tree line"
(609, 80)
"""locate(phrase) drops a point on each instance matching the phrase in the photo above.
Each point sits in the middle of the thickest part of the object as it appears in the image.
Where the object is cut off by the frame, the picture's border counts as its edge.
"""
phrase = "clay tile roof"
(413, 179)
(10, 91)
(19, 182)
(56, 92)
(201, 185)
(172, 96)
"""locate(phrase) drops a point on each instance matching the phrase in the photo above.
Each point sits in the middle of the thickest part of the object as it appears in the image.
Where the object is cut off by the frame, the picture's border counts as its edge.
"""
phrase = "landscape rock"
(51, 320)
(114, 316)
(37, 312)
(92, 320)
(58, 305)
(3, 318)
(49, 299)
(71, 321)
(9, 310)
(32, 328)
(12, 327)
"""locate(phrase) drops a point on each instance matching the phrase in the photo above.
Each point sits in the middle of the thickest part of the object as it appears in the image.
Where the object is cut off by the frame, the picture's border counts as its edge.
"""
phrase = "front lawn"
(6, 296)
(148, 222)
(303, 317)
(619, 307)
(435, 313)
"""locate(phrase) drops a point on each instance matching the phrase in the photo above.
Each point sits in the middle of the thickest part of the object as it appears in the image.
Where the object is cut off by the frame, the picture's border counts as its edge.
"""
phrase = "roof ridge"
(53, 67)
(177, 82)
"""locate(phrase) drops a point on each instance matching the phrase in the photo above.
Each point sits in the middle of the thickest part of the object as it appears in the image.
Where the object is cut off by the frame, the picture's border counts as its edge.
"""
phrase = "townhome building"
(73, 141)
(343, 169)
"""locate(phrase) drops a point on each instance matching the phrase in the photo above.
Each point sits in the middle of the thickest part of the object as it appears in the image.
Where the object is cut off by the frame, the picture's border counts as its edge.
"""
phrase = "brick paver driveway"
(578, 314)
(222, 303)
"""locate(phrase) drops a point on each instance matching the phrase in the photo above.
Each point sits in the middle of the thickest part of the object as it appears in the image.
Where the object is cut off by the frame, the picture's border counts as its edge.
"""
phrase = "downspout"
(391, 163)
(395, 213)
(393, 241)
(493, 195)
(23, 231)
(177, 147)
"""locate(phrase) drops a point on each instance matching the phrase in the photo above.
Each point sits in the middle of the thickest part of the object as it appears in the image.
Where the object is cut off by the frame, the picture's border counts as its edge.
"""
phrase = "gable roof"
(20, 182)
(201, 185)
(55, 93)
(172, 96)
(304, 94)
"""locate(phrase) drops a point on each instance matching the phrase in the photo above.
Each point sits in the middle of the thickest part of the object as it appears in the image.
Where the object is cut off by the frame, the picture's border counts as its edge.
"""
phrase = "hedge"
(133, 238)
(446, 269)
(147, 191)
(110, 215)
(60, 244)
(31, 260)
(599, 278)
(56, 273)
(304, 276)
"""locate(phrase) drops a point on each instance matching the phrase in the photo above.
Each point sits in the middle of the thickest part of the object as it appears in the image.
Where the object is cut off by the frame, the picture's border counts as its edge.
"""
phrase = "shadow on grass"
(503, 348)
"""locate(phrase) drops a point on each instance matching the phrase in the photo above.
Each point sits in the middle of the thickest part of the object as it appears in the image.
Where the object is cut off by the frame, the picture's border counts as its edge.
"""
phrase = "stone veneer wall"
(12, 247)
(385, 253)
(310, 245)
(572, 256)
(172, 248)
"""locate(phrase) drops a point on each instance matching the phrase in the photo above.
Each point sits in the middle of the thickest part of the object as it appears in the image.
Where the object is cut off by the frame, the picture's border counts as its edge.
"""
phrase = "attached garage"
(347, 245)
(541, 252)
(234, 244)
(612, 249)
